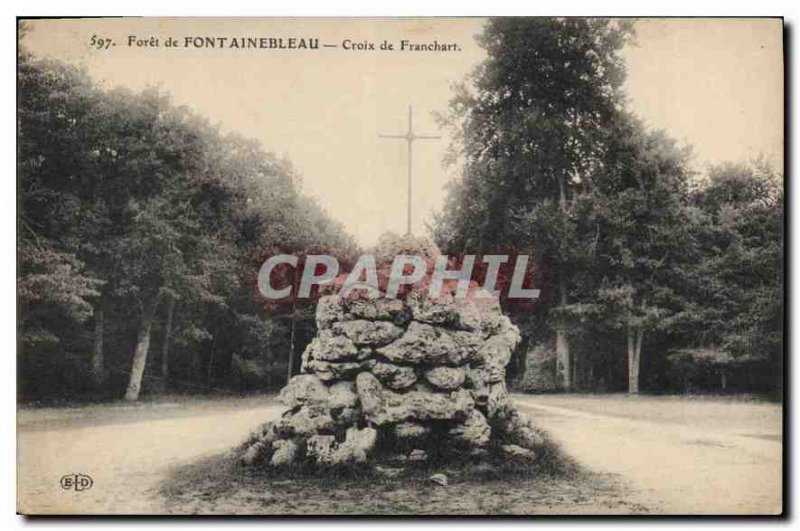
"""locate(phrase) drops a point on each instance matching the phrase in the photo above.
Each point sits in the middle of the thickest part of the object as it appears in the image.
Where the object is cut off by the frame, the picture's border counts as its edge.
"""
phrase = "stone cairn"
(409, 378)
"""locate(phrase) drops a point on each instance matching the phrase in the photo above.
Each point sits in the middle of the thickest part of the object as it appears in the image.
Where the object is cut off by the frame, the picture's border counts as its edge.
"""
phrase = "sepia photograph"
(400, 266)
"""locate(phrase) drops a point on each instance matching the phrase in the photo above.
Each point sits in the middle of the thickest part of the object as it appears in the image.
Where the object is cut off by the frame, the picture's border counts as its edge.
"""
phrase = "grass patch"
(550, 485)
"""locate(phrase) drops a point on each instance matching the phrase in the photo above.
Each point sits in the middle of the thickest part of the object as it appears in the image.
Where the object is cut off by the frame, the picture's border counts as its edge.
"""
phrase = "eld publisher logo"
(76, 482)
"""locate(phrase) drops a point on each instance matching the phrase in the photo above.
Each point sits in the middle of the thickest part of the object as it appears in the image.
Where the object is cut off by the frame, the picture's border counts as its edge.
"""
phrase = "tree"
(139, 211)
(532, 127)
(55, 280)
(734, 288)
(642, 240)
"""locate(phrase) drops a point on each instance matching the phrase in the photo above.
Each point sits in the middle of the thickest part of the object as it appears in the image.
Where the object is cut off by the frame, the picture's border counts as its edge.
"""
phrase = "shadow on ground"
(220, 485)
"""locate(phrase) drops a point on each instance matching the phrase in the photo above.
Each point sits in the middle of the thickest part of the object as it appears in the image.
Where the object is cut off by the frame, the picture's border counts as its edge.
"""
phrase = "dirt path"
(680, 456)
(127, 460)
(684, 458)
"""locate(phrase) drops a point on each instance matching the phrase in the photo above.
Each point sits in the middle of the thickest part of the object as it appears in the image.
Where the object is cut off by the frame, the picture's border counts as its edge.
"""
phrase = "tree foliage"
(130, 205)
(642, 259)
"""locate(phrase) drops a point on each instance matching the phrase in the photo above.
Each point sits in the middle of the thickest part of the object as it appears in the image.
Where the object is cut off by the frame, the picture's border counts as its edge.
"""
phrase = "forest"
(141, 228)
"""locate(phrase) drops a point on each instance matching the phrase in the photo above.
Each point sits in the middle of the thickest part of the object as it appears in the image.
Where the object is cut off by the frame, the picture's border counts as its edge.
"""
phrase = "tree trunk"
(575, 363)
(140, 354)
(211, 356)
(266, 359)
(98, 361)
(291, 345)
(634, 359)
(563, 361)
(165, 344)
(195, 367)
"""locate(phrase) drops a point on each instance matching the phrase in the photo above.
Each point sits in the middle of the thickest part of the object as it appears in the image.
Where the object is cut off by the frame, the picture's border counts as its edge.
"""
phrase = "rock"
(494, 372)
(410, 348)
(408, 431)
(378, 310)
(447, 378)
(497, 400)
(368, 333)
(308, 420)
(370, 394)
(255, 453)
(356, 446)
(447, 310)
(303, 389)
(394, 376)
(494, 323)
(518, 429)
(423, 343)
(330, 371)
(388, 472)
(308, 356)
(505, 326)
(481, 377)
(426, 372)
(497, 350)
(264, 433)
(518, 452)
(391, 245)
(285, 452)
(477, 381)
(363, 439)
(488, 305)
(367, 365)
(527, 437)
(342, 395)
(329, 310)
(473, 432)
(347, 416)
(334, 348)
(439, 479)
(424, 386)
(321, 448)
(469, 317)
(418, 455)
(415, 405)
(427, 406)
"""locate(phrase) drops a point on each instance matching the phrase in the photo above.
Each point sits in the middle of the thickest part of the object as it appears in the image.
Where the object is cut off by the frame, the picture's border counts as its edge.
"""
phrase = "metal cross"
(410, 137)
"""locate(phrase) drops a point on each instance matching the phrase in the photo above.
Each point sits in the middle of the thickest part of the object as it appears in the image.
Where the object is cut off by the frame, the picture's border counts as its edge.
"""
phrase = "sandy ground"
(679, 455)
(695, 456)
(126, 458)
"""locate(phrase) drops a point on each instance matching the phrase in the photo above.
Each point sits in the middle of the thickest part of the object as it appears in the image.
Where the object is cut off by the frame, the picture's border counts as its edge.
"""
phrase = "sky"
(715, 84)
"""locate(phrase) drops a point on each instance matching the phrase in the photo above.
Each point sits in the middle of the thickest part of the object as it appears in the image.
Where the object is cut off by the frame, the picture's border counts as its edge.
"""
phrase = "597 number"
(101, 43)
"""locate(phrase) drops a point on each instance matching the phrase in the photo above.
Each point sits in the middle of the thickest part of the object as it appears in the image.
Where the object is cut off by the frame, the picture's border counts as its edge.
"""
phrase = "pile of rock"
(412, 377)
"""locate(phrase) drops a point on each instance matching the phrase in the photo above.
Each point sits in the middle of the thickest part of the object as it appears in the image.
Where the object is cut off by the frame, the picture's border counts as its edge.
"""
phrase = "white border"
(10, 10)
